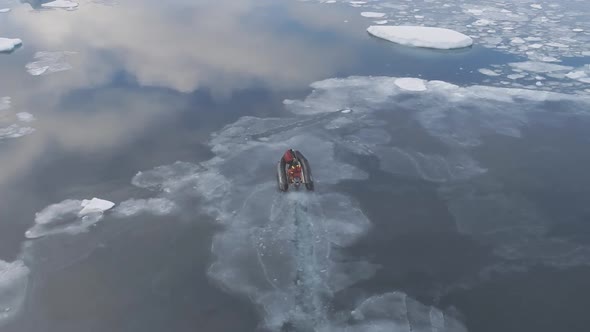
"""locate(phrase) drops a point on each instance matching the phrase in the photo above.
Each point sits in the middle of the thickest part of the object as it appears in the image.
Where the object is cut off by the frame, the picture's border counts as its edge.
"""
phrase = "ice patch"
(410, 84)
(155, 206)
(4, 10)
(95, 205)
(15, 131)
(49, 62)
(380, 22)
(417, 36)
(372, 14)
(488, 72)
(8, 44)
(539, 67)
(400, 313)
(25, 117)
(66, 4)
(68, 217)
(13, 287)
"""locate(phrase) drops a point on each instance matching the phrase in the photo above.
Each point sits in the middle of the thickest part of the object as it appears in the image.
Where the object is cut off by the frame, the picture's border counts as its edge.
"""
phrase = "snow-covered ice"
(9, 44)
(410, 84)
(372, 14)
(95, 205)
(418, 36)
(67, 4)
(4, 10)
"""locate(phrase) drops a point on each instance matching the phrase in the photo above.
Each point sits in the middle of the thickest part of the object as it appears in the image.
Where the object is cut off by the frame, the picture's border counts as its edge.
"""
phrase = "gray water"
(456, 208)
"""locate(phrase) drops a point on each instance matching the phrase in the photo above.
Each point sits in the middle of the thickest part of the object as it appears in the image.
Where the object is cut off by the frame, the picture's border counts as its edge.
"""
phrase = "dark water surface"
(151, 81)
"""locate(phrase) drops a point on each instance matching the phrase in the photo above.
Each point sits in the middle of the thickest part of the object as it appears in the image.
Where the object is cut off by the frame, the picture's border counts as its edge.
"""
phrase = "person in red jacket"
(294, 171)
(289, 157)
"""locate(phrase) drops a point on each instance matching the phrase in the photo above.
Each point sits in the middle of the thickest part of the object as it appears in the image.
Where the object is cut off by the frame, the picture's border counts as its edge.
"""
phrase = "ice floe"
(15, 131)
(488, 72)
(49, 62)
(95, 205)
(544, 32)
(419, 36)
(25, 117)
(69, 217)
(539, 67)
(9, 44)
(154, 206)
(10, 130)
(66, 4)
(372, 14)
(4, 10)
(13, 286)
(410, 84)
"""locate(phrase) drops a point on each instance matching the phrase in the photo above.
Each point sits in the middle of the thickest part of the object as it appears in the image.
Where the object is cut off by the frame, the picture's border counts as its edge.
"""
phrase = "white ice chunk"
(380, 22)
(60, 4)
(69, 217)
(372, 14)
(483, 22)
(574, 75)
(25, 117)
(410, 84)
(539, 67)
(95, 205)
(4, 10)
(429, 37)
(9, 44)
(488, 72)
(536, 6)
(517, 40)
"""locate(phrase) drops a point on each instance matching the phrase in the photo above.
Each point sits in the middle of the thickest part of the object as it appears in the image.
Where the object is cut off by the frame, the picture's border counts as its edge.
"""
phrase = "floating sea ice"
(488, 72)
(539, 67)
(517, 40)
(60, 4)
(536, 6)
(559, 45)
(15, 131)
(155, 206)
(380, 22)
(69, 217)
(9, 44)
(574, 75)
(429, 37)
(411, 84)
(483, 22)
(372, 14)
(516, 76)
(578, 30)
(95, 205)
(4, 10)
(25, 117)
(49, 62)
